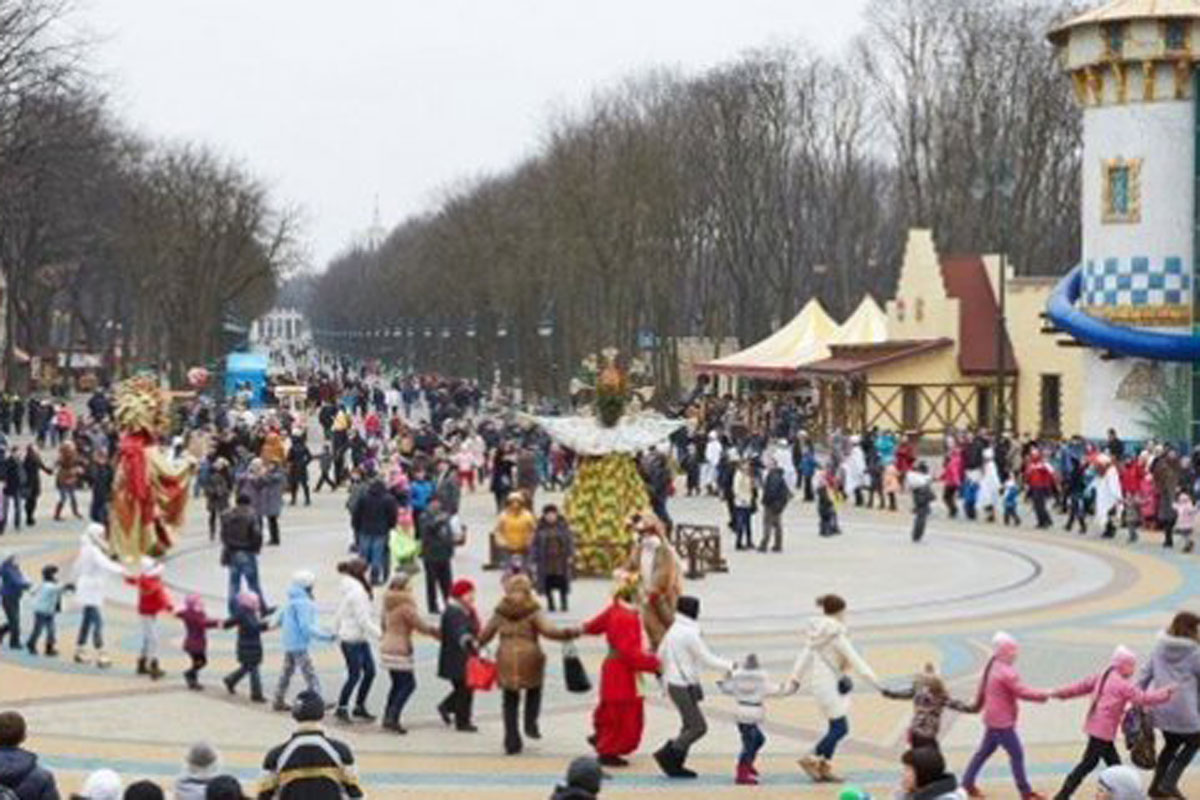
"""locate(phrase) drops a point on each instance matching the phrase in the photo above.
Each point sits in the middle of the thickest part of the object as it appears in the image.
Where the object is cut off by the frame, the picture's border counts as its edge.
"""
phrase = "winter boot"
(682, 771)
(811, 764)
(141, 667)
(745, 777)
(829, 776)
(51, 651)
(229, 685)
(670, 761)
(155, 671)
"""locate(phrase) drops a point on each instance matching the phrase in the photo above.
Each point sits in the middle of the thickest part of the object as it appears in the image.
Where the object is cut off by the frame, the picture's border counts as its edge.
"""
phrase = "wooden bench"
(700, 546)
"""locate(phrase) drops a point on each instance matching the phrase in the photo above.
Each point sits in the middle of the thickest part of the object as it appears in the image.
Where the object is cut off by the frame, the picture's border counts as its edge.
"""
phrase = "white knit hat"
(103, 784)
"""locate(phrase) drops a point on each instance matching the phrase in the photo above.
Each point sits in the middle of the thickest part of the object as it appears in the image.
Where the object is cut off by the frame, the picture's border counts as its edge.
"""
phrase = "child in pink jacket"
(1000, 691)
(1185, 520)
(1112, 691)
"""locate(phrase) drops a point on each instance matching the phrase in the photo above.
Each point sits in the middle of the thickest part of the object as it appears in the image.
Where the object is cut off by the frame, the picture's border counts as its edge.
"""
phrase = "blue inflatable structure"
(242, 369)
(1118, 339)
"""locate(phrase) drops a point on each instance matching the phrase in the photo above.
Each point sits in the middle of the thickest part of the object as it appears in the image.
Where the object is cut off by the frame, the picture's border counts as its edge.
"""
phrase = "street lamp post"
(546, 331)
(502, 335)
(473, 347)
(999, 182)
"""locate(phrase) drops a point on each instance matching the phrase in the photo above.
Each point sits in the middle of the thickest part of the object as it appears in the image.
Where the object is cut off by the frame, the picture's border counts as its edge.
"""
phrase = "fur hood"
(516, 607)
(395, 598)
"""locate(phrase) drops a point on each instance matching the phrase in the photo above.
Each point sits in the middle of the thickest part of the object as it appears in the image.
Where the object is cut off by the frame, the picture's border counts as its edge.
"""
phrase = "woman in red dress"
(619, 719)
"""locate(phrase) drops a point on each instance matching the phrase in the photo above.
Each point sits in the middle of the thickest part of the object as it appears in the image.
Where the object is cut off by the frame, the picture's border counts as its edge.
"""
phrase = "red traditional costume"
(619, 719)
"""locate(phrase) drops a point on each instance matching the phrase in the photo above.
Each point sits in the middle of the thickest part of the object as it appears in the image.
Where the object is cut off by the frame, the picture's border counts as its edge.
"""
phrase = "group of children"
(153, 601)
(1112, 692)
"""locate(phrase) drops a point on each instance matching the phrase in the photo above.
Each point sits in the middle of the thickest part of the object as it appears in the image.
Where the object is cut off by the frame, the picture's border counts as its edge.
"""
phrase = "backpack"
(1139, 738)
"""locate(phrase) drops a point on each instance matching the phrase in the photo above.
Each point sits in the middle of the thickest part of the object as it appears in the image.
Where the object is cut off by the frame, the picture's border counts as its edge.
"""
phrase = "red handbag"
(481, 674)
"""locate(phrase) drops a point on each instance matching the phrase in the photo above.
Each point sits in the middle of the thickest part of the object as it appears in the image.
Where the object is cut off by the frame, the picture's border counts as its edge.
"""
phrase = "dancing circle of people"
(404, 512)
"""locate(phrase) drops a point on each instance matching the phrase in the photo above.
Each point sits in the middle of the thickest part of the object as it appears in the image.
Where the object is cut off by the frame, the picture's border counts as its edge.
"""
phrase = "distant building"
(280, 328)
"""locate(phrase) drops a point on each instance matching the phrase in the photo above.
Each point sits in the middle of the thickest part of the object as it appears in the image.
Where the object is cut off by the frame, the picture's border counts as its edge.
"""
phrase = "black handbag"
(574, 674)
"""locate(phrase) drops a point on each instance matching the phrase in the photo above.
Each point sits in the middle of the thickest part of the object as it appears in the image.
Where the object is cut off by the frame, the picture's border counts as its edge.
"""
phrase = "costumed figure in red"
(150, 490)
(619, 719)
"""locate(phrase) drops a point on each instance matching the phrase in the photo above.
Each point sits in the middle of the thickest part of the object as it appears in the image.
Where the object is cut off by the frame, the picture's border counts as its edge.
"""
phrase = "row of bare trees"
(109, 242)
(715, 205)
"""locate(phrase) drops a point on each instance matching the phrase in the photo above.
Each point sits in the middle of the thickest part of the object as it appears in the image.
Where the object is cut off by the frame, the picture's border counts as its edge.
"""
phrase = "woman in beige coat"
(653, 560)
(400, 620)
(519, 622)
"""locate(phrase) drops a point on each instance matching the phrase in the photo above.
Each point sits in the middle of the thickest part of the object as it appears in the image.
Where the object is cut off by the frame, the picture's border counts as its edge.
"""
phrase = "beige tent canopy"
(802, 341)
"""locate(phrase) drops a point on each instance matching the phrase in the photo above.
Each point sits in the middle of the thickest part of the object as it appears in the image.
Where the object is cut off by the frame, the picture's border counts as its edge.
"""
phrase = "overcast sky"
(335, 103)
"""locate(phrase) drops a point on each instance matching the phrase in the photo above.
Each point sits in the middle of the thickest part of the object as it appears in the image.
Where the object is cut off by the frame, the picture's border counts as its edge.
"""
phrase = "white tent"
(779, 355)
(867, 325)
(804, 340)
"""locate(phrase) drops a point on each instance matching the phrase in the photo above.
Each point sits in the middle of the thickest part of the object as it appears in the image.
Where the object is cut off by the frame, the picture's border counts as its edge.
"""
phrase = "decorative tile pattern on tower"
(1138, 290)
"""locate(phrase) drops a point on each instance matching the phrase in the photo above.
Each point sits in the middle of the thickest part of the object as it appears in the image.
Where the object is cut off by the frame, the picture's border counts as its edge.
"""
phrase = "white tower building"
(1132, 65)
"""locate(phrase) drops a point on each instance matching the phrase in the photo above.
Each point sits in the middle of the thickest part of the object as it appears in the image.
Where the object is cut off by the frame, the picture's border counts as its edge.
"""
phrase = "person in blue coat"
(19, 768)
(420, 490)
(298, 621)
(13, 584)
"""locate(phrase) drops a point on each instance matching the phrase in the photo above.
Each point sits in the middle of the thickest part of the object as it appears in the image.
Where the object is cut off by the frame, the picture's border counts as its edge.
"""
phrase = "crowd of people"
(404, 475)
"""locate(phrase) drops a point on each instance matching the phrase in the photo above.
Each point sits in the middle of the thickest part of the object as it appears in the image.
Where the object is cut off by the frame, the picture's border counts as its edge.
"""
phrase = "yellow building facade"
(937, 370)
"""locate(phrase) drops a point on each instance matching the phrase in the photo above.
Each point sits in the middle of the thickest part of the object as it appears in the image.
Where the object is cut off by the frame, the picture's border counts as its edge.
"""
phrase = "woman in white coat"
(712, 459)
(92, 573)
(1108, 493)
(989, 486)
(357, 625)
(824, 665)
(855, 471)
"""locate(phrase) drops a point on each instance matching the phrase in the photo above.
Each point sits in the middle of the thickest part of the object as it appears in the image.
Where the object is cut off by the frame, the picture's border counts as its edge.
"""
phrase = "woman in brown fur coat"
(519, 623)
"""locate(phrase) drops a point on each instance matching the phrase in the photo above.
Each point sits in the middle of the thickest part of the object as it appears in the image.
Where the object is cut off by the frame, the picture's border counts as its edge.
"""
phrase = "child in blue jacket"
(47, 604)
(298, 620)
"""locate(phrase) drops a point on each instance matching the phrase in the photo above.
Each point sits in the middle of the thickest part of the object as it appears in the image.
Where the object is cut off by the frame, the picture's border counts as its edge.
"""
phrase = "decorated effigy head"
(141, 406)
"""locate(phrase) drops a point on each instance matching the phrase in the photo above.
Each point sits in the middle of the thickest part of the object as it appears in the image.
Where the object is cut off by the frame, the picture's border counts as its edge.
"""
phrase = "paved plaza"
(1068, 599)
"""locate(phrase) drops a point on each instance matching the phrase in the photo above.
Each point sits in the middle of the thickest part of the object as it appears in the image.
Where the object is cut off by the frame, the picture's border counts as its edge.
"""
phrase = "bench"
(700, 546)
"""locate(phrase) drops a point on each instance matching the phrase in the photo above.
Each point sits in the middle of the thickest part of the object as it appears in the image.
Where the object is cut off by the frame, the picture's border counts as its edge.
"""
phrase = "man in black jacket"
(297, 465)
(19, 770)
(775, 497)
(446, 486)
(438, 540)
(372, 518)
(13, 476)
(310, 765)
(241, 542)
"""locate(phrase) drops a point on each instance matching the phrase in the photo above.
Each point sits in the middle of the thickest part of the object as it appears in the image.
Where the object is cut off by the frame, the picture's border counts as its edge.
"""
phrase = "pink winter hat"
(1124, 659)
(1004, 646)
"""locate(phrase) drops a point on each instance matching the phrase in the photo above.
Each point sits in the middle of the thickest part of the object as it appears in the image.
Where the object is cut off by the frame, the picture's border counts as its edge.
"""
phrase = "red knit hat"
(462, 587)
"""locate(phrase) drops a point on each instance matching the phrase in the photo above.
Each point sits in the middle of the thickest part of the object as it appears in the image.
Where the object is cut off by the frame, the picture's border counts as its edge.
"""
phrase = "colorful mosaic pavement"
(1068, 599)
